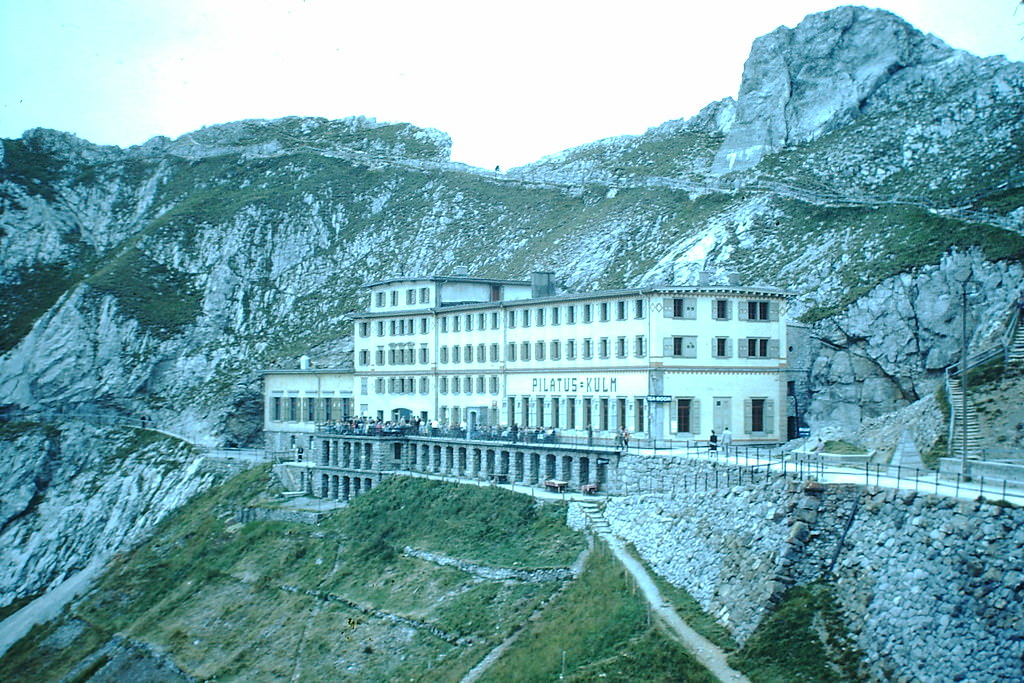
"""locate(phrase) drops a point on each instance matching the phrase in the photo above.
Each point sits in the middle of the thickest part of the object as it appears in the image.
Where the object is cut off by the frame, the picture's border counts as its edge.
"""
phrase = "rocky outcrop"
(890, 348)
(803, 82)
(75, 493)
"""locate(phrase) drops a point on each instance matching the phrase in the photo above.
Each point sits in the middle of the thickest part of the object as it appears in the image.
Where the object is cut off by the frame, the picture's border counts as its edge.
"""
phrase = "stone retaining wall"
(930, 587)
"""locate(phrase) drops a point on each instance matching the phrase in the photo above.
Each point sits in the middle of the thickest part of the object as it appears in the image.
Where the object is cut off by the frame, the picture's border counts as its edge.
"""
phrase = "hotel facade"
(666, 363)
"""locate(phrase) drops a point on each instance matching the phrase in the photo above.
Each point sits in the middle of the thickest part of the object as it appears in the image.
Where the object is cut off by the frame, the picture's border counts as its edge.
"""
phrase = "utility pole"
(964, 276)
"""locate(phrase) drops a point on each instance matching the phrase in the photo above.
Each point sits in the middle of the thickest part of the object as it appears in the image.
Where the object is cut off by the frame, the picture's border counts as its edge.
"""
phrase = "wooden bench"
(589, 488)
(556, 485)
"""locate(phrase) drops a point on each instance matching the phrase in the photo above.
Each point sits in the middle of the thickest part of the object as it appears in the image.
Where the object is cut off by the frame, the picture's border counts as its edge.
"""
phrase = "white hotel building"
(665, 362)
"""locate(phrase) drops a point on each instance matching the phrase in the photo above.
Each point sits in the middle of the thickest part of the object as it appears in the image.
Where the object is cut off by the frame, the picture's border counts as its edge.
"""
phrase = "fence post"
(956, 491)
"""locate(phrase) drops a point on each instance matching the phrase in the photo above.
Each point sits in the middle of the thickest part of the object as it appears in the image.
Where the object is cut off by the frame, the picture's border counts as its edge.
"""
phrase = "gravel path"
(707, 653)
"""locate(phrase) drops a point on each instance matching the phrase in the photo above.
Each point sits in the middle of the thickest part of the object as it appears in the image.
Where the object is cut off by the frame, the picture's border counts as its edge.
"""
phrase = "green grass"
(35, 291)
(600, 623)
(161, 299)
(841, 447)
(690, 611)
(803, 639)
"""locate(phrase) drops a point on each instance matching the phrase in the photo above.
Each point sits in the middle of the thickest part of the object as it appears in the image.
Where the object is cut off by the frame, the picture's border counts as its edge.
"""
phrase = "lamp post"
(963, 275)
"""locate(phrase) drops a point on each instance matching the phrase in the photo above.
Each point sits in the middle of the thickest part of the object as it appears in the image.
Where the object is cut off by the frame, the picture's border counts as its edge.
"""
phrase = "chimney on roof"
(461, 271)
(542, 284)
(303, 362)
(734, 279)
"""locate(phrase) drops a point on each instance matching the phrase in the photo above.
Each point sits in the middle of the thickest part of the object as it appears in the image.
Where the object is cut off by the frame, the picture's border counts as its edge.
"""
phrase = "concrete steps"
(592, 511)
(1015, 354)
(956, 400)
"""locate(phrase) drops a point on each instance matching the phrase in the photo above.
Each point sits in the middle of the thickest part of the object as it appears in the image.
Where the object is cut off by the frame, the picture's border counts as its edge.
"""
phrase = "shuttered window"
(758, 416)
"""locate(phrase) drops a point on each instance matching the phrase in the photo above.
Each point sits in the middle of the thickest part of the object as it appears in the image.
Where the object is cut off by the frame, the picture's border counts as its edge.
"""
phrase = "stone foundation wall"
(930, 587)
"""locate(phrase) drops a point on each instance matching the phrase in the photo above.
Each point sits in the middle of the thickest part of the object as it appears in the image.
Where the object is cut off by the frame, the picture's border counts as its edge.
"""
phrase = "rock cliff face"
(78, 493)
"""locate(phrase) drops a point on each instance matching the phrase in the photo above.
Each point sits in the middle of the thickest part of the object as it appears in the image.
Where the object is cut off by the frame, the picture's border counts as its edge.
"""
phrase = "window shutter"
(773, 310)
(668, 308)
(714, 347)
(773, 348)
(689, 347)
(769, 416)
(695, 416)
(690, 309)
(728, 309)
(728, 348)
(742, 309)
(748, 415)
(667, 347)
(742, 347)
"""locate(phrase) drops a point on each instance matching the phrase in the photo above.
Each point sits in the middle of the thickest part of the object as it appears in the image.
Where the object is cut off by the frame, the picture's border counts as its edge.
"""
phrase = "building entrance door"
(723, 413)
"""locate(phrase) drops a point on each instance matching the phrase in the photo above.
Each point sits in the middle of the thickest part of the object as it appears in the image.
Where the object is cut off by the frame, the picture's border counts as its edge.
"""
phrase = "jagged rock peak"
(801, 82)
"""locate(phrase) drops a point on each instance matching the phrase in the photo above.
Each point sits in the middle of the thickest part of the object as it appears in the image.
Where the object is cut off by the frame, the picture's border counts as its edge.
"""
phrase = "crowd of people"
(369, 426)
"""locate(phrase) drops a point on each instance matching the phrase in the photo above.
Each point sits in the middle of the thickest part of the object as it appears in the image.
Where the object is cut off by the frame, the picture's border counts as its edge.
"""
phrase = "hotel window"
(721, 309)
(468, 353)
(526, 412)
(555, 421)
(758, 310)
(602, 347)
(538, 352)
(276, 410)
(444, 323)
(620, 413)
(310, 410)
(380, 355)
(555, 315)
(394, 297)
(480, 384)
(494, 320)
(540, 317)
(378, 385)
(380, 299)
(410, 296)
(423, 325)
(364, 386)
(682, 347)
(511, 319)
(424, 355)
(511, 352)
(570, 349)
(391, 325)
(456, 385)
(638, 308)
(364, 356)
(526, 315)
(364, 329)
(570, 413)
(587, 314)
(443, 354)
(721, 348)
(424, 385)
(525, 351)
(469, 322)
(570, 315)
(481, 353)
(494, 353)
(456, 354)
(682, 308)
(757, 347)
(456, 323)
(424, 295)
(638, 415)
(391, 357)
(494, 384)
(392, 386)
(620, 347)
(442, 385)
(604, 312)
(588, 348)
(328, 410)
(687, 416)
(380, 328)
(556, 350)
(620, 310)
(602, 415)
(758, 416)
(588, 417)
(481, 321)
(640, 346)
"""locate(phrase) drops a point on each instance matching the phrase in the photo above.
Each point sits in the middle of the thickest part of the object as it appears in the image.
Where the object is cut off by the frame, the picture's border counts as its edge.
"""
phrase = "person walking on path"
(726, 441)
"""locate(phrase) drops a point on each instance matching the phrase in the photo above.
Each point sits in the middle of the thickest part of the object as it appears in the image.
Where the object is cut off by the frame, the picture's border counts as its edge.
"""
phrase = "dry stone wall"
(930, 587)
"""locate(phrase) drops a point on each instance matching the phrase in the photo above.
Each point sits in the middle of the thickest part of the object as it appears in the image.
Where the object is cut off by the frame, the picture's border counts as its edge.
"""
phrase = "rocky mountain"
(862, 164)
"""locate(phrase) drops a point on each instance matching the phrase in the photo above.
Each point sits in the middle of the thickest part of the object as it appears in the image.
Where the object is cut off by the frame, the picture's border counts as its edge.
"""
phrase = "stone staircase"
(1015, 353)
(956, 400)
(592, 511)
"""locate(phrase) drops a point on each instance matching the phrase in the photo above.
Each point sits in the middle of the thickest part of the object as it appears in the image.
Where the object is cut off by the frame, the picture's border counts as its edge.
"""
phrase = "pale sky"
(509, 81)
